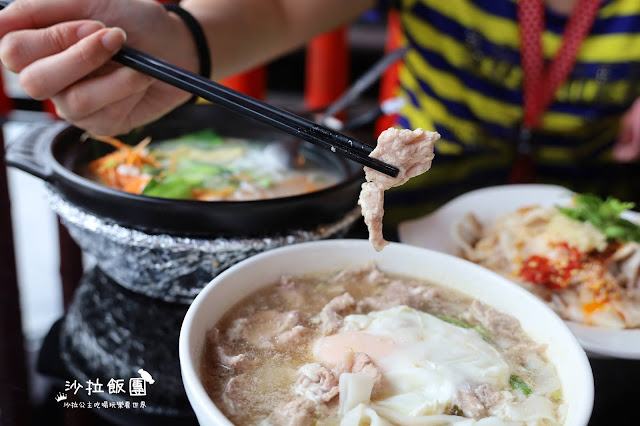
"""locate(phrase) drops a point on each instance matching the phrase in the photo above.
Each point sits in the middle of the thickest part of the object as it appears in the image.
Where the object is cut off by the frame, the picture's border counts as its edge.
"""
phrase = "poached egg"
(424, 360)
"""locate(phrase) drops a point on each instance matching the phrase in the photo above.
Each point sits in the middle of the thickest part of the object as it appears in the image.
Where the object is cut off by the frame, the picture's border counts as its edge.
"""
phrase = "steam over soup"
(207, 167)
(362, 347)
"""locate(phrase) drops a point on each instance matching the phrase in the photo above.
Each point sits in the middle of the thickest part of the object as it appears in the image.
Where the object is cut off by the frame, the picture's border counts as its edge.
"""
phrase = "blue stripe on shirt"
(511, 96)
(556, 22)
(497, 131)
(454, 29)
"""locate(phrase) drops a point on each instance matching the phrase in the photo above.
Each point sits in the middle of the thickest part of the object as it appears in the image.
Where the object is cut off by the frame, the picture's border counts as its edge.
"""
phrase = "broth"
(282, 354)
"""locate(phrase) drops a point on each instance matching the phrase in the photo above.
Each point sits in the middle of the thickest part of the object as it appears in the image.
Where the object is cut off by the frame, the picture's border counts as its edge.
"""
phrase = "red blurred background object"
(5, 102)
(50, 108)
(389, 82)
(326, 69)
(252, 83)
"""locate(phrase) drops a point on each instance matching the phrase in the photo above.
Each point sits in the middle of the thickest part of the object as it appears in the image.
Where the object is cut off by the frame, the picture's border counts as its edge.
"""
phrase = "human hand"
(61, 50)
(627, 147)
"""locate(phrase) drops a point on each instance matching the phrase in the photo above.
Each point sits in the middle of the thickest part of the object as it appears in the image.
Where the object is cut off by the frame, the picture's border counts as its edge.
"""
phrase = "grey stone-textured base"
(110, 333)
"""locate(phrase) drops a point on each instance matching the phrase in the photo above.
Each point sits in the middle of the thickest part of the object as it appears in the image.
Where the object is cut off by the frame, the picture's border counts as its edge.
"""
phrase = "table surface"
(615, 383)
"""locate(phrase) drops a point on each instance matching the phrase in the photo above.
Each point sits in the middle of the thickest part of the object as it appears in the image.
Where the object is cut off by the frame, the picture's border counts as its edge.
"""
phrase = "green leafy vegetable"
(206, 135)
(264, 182)
(149, 170)
(196, 173)
(171, 187)
(517, 383)
(604, 215)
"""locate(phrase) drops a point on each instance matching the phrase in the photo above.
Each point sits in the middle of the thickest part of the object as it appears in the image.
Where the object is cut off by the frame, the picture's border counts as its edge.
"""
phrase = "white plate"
(434, 232)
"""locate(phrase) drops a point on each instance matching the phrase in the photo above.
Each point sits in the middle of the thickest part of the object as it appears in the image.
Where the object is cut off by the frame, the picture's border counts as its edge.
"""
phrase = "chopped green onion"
(454, 321)
(517, 383)
(483, 331)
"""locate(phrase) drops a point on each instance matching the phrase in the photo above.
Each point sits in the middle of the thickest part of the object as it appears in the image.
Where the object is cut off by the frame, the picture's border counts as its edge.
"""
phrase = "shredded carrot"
(134, 184)
(173, 163)
(106, 167)
(116, 143)
(136, 155)
(142, 144)
(622, 315)
(591, 307)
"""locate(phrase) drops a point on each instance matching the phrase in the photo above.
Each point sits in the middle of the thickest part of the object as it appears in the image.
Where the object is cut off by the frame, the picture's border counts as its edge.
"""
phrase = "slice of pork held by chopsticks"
(411, 151)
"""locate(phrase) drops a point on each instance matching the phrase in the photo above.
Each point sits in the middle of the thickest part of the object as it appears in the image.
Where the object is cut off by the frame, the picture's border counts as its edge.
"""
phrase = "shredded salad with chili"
(582, 259)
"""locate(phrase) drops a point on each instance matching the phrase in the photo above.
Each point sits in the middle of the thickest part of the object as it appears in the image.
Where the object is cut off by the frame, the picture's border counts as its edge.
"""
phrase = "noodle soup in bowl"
(333, 332)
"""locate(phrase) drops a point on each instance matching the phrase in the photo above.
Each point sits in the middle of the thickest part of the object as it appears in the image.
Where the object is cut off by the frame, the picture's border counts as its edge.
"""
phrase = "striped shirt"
(463, 78)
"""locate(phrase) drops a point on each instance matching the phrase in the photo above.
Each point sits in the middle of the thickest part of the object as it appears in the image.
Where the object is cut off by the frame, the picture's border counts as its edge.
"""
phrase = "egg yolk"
(330, 350)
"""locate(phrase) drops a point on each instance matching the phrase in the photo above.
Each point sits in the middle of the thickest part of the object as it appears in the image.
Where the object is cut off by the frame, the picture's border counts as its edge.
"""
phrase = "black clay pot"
(56, 154)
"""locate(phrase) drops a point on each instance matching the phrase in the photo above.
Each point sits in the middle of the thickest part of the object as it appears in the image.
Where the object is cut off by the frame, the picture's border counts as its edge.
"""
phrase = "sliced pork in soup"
(411, 151)
(363, 347)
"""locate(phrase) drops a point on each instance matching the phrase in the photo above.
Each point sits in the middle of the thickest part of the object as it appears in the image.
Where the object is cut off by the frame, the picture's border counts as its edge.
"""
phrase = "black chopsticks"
(250, 107)
(288, 122)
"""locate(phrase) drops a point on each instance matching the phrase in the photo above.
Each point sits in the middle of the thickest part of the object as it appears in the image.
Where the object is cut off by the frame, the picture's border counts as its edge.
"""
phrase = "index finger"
(35, 14)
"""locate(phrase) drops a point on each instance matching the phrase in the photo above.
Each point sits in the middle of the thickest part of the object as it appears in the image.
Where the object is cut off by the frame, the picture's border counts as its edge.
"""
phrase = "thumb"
(627, 147)
(627, 151)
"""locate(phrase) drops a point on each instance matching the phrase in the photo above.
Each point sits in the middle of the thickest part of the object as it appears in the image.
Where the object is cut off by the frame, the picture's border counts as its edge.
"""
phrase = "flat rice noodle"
(466, 233)
(363, 415)
(628, 257)
(535, 408)
(355, 389)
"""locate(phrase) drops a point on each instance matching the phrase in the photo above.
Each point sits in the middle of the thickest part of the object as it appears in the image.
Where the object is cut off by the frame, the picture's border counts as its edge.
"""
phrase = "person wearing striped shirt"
(463, 77)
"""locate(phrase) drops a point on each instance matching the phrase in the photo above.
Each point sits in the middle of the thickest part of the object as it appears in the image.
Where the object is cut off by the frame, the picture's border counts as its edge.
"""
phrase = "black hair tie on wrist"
(202, 45)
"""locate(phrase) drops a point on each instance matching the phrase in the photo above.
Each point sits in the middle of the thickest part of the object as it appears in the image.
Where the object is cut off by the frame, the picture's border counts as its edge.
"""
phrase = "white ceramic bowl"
(266, 268)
